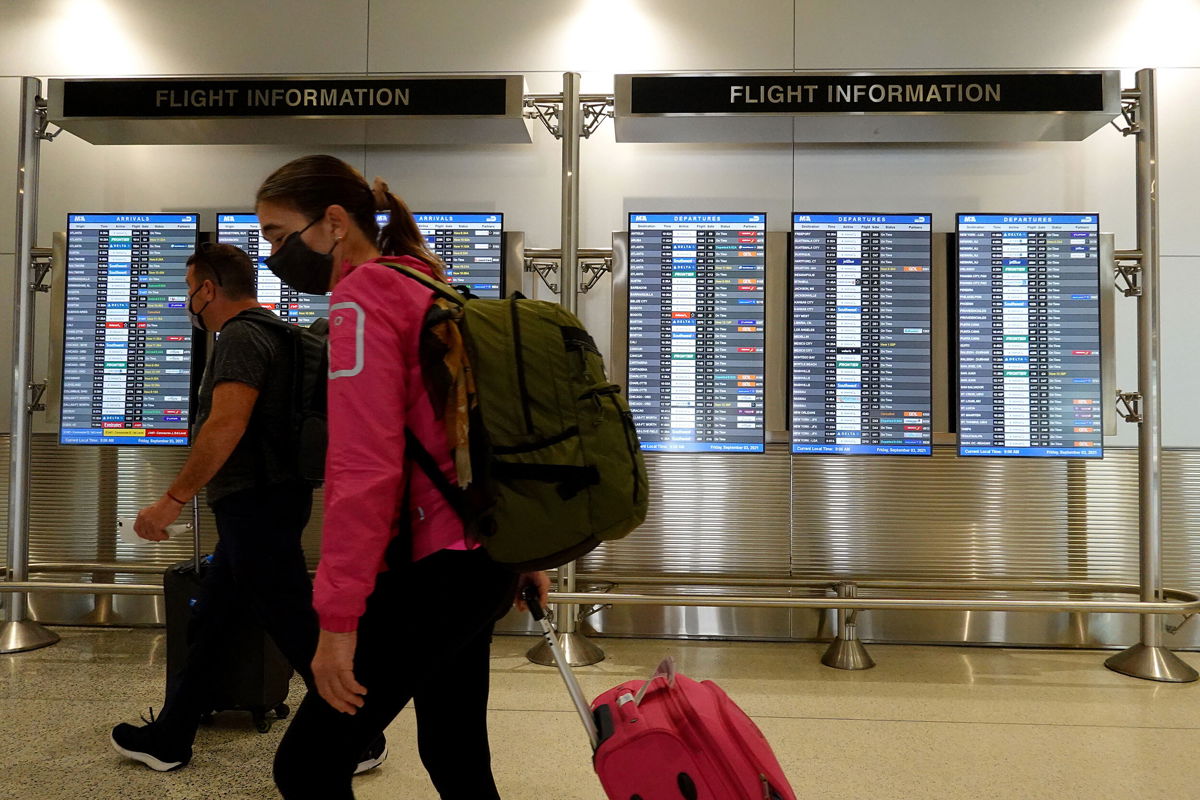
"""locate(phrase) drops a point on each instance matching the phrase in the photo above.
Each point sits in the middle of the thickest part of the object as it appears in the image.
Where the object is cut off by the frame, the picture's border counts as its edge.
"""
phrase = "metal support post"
(1149, 659)
(19, 633)
(846, 651)
(579, 650)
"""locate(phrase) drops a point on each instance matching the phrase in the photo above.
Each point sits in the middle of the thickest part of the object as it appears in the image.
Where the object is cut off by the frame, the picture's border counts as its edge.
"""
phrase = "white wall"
(601, 37)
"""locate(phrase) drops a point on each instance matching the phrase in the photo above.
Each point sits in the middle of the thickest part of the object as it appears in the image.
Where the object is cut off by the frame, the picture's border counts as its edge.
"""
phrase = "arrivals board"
(127, 345)
(470, 245)
(242, 230)
(696, 331)
(1029, 335)
(861, 348)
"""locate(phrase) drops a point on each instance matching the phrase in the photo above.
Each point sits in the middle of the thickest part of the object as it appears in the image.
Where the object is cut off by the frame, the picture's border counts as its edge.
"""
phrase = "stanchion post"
(19, 633)
(580, 651)
(846, 651)
(1149, 659)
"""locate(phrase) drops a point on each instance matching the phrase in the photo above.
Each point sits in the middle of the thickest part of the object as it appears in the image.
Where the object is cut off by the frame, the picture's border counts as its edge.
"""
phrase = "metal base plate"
(17, 637)
(1152, 664)
(848, 654)
(580, 651)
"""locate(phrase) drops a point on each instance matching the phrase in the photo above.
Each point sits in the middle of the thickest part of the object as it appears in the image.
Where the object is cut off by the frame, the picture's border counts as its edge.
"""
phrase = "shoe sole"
(371, 763)
(147, 759)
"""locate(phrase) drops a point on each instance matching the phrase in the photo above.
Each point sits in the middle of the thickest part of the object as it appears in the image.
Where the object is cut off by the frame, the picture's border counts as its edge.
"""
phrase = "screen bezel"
(193, 345)
(629, 234)
(957, 350)
(792, 332)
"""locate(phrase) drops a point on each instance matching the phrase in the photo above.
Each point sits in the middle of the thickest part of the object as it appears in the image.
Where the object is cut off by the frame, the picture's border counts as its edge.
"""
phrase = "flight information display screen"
(470, 245)
(861, 349)
(696, 331)
(127, 339)
(1029, 335)
(241, 230)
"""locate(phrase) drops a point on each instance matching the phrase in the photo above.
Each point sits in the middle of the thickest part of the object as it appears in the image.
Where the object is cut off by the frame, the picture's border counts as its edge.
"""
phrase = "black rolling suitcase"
(252, 675)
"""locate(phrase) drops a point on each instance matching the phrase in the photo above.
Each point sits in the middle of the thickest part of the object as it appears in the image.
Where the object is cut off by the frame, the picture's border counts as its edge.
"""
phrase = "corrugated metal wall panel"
(713, 514)
(771, 515)
(952, 518)
(77, 493)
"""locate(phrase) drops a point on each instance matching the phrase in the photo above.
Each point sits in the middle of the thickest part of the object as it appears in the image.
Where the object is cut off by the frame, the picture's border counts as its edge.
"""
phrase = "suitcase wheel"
(262, 723)
(282, 711)
(206, 719)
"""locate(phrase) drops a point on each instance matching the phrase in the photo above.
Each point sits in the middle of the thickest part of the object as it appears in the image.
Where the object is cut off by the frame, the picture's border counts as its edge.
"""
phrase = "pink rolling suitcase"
(671, 738)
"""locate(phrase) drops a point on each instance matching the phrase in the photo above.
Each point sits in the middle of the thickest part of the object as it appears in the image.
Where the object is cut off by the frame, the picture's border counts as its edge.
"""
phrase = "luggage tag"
(126, 534)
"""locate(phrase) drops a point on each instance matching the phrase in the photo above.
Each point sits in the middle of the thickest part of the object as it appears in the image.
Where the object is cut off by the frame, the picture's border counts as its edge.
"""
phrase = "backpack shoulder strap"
(438, 288)
(428, 465)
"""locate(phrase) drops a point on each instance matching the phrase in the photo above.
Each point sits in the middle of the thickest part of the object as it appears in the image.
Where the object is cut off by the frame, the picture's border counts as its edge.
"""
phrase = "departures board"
(470, 245)
(127, 345)
(861, 344)
(242, 230)
(1029, 335)
(696, 331)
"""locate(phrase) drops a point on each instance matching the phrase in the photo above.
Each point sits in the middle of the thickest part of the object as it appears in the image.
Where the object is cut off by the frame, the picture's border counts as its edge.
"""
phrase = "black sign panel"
(353, 97)
(832, 94)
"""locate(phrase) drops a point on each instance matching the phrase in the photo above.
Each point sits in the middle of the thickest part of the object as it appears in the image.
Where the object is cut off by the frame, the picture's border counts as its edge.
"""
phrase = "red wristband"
(176, 499)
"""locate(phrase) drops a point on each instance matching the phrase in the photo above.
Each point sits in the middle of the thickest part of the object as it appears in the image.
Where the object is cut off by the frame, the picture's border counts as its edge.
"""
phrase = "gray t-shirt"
(260, 356)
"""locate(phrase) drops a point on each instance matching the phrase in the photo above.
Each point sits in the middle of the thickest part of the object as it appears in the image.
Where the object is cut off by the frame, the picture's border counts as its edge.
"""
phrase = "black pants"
(425, 637)
(257, 568)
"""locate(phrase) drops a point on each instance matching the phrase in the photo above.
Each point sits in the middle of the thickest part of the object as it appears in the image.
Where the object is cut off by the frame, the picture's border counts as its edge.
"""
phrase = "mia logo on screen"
(803, 219)
(968, 219)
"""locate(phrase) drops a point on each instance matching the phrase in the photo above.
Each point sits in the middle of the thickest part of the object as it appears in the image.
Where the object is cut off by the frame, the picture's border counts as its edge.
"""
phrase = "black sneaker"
(375, 755)
(142, 744)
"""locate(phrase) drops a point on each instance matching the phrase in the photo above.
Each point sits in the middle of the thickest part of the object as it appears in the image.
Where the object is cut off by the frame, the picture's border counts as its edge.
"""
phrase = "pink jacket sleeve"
(368, 372)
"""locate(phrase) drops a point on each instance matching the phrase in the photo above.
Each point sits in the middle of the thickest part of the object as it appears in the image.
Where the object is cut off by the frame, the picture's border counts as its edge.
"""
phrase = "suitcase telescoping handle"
(573, 687)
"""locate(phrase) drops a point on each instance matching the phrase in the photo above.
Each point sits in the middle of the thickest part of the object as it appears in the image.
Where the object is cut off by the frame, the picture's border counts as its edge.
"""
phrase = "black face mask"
(197, 317)
(301, 267)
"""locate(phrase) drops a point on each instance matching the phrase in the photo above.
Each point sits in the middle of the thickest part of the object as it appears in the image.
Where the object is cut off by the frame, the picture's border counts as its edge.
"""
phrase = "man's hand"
(333, 671)
(538, 580)
(152, 521)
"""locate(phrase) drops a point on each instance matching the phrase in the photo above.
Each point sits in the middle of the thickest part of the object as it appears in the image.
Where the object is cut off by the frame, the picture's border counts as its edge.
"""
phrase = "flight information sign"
(861, 348)
(470, 245)
(127, 340)
(1029, 335)
(696, 331)
(242, 230)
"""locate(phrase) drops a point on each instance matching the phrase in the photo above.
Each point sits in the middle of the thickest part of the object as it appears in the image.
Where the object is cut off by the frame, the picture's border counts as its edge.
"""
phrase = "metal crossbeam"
(547, 108)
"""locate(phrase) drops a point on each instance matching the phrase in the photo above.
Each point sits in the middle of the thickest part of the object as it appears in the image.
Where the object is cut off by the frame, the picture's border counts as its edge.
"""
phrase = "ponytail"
(311, 184)
(401, 236)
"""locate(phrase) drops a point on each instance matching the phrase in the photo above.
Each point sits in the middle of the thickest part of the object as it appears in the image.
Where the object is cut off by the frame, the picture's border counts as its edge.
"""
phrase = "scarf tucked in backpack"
(449, 380)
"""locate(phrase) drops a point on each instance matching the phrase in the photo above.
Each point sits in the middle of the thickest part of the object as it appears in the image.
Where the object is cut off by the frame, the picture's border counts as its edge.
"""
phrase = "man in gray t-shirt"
(254, 354)
(243, 451)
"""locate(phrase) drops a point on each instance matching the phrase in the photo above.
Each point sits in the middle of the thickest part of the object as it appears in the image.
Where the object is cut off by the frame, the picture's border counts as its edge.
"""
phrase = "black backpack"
(310, 372)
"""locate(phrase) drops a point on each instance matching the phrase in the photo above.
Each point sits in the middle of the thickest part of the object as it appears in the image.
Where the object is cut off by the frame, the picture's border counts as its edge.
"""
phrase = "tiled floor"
(926, 723)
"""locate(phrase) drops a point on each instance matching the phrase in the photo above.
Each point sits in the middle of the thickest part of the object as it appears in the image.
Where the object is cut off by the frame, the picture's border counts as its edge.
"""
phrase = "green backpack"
(557, 466)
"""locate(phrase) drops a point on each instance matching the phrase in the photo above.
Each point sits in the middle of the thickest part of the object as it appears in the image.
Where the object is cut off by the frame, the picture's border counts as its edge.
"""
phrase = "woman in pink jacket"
(406, 600)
